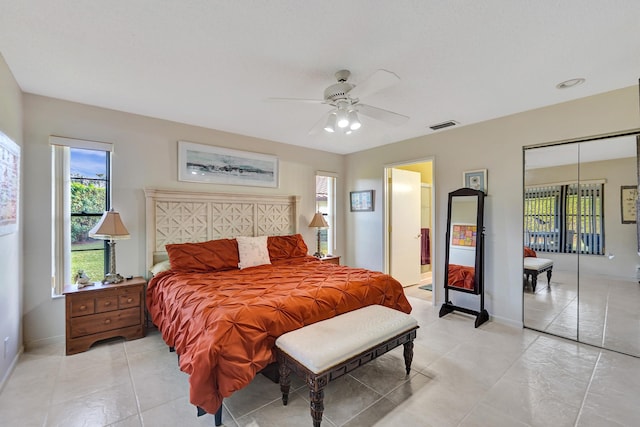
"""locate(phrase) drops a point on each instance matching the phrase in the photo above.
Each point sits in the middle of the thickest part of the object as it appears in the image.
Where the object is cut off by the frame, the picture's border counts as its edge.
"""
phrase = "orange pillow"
(282, 247)
(214, 255)
(528, 252)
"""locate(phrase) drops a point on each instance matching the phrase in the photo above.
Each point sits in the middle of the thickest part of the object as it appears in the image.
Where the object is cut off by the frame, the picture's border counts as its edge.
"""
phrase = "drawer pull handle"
(107, 321)
(83, 307)
(107, 304)
(130, 299)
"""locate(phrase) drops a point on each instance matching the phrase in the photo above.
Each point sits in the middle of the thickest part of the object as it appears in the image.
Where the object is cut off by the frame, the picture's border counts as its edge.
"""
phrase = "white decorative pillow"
(252, 251)
(160, 267)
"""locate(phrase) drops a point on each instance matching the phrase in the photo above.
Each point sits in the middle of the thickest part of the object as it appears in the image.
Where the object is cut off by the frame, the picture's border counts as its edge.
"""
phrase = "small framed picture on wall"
(476, 180)
(628, 199)
(361, 201)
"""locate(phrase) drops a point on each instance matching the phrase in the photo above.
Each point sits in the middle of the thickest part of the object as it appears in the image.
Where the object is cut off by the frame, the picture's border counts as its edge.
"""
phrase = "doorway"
(415, 242)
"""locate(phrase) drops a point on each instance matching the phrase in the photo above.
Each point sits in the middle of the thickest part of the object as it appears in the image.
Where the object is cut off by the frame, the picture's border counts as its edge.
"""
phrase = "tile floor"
(603, 312)
(491, 376)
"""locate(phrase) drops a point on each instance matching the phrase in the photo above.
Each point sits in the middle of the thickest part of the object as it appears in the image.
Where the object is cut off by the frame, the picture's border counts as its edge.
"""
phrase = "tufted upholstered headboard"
(186, 216)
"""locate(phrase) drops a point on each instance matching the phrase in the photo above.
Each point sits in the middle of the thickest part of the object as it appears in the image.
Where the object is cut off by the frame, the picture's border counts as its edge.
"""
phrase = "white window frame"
(330, 214)
(61, 206)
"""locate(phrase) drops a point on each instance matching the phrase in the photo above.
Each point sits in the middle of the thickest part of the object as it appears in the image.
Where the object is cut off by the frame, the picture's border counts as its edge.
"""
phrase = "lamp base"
(112, 278)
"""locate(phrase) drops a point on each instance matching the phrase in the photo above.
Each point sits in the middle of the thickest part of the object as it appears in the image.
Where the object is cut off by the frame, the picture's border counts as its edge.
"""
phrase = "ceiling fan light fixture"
(341, 118)
(331, 123)
(354, 122)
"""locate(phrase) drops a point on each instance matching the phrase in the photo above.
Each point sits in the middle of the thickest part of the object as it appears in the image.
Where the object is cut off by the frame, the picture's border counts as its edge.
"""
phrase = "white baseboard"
(12, 366)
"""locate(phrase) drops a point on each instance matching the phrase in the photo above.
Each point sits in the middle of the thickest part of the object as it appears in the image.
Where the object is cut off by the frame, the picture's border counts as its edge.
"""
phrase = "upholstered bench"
(329, 349)
(534, 266)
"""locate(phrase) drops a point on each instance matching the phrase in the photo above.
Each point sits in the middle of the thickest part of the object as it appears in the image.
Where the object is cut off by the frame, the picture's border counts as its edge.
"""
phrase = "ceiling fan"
(345, 98)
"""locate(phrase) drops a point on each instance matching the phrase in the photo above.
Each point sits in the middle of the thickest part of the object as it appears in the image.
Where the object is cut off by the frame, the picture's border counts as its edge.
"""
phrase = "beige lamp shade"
(318, 221)
(110, 227)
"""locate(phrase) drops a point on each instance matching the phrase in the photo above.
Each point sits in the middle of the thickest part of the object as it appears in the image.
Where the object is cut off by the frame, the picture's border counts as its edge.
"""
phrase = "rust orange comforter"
(224, 324)
(461, 276)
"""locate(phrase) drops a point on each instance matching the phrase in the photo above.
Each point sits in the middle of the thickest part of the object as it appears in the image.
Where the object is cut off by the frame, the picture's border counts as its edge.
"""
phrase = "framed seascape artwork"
(9, 184)
(361, 201)
(628, 198)
(476, 180)
(217, 165)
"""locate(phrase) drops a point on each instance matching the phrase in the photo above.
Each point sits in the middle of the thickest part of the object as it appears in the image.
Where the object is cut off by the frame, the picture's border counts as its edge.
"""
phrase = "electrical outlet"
(6, 347)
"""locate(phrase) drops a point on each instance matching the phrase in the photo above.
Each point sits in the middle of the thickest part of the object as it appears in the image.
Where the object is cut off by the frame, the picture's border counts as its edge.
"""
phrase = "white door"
(404, 253)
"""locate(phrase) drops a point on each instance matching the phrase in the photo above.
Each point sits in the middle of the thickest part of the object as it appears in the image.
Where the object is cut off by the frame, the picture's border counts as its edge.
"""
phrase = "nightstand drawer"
(106, 303)
(129, 299)
(86, 325)
(82, 307)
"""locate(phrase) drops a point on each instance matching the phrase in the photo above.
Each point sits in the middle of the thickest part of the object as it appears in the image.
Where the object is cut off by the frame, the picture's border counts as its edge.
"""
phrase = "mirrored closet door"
(580, 222)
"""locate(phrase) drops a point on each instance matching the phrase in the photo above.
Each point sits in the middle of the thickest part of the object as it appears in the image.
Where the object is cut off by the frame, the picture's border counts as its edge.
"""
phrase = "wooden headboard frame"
(186, 216)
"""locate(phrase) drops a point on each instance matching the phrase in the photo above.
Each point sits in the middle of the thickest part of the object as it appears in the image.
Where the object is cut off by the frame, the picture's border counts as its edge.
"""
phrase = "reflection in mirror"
(464, 252)
(462, 242)
(574, 215)
(549, 305)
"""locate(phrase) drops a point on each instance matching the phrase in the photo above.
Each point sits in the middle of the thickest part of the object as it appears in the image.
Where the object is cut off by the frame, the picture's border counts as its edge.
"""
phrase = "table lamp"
(111, 228)
(319, 222)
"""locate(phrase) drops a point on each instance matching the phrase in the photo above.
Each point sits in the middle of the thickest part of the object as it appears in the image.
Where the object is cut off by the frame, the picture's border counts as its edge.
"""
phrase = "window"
(565, 218)
(326, 204)
(89, 190)
(81, 194)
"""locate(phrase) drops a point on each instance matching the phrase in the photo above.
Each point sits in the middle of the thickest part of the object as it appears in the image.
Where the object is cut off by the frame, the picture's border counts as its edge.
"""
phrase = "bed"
(223, 320)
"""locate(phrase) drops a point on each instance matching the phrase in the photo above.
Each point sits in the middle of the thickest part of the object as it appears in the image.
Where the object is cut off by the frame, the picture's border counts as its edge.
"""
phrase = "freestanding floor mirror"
(464, 257)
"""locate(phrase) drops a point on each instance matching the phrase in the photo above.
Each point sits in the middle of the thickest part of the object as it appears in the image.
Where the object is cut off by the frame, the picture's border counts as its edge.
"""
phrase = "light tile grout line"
(584, 398)
(133, 385)
(382, 396)
(481, 401)
(606, 316)
(55, 381)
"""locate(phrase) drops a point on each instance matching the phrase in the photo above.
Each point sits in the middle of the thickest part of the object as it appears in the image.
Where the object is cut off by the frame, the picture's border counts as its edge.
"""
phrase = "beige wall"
(495, 145)
(11, 244)
(145, 156)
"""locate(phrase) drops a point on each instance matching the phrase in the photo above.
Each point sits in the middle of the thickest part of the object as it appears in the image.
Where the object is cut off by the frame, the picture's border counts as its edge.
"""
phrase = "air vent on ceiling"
(443, 125)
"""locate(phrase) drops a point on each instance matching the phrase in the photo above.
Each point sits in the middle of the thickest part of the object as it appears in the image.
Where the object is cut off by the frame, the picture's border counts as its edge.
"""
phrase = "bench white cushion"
(531, 263)
(324, 344)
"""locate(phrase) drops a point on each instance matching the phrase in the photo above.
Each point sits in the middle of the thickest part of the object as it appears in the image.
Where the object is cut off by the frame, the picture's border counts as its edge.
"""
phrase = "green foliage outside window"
(86, 197)
(88, 202)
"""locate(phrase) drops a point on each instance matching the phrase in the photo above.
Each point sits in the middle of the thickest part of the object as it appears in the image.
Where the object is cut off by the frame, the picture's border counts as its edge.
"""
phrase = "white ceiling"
(214, 63)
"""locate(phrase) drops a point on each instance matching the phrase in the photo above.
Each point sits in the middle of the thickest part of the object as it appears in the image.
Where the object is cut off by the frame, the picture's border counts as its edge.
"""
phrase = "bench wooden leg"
(285, 381)
(534, 281)
(408, 355)
(549, 278)
(317, 406)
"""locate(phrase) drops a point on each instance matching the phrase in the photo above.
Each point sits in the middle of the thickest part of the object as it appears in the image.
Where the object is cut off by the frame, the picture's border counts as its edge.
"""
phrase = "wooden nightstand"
(333, 259)
(102, 311)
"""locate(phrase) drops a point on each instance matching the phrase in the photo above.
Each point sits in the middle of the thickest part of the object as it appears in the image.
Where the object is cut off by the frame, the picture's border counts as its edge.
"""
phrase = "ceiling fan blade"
(383, 115)
(308, 101)
(318, 128)
(379, 80)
